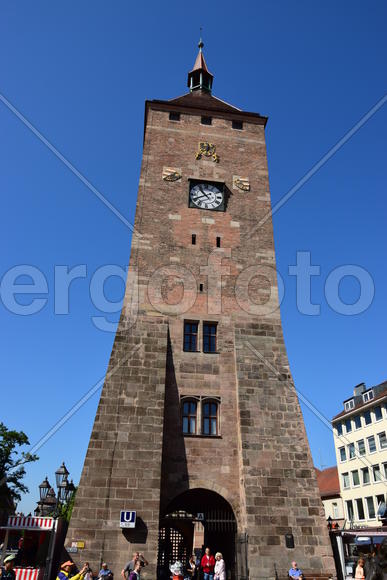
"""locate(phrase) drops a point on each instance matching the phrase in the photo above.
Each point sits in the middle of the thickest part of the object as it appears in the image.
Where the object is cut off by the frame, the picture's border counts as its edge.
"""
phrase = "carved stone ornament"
(171, 174)
(207, 150)
(242, 183)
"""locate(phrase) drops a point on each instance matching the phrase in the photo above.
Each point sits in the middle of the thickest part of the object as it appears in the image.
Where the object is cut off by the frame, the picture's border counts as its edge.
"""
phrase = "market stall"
(27, 537)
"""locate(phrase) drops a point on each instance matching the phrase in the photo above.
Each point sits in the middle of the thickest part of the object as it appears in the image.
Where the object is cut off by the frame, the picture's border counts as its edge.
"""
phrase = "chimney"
(359, 389)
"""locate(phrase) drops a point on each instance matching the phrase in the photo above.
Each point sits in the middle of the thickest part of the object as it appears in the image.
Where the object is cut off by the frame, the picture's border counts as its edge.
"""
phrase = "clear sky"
(80, 73)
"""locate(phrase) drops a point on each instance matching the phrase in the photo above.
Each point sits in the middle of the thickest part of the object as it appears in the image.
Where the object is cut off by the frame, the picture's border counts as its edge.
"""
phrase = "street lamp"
(65, 493)
(44, 488)
(60, 474)
(70, 491)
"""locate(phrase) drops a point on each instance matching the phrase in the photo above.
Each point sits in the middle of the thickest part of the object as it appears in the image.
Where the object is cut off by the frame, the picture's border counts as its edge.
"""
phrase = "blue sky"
(80, 73)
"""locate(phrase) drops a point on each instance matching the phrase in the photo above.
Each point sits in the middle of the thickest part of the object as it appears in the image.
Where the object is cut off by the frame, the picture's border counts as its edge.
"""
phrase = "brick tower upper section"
(181, 239)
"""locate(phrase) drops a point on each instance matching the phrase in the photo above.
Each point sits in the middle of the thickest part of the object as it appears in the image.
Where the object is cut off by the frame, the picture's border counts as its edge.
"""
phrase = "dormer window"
(368, 396)
(348, 405)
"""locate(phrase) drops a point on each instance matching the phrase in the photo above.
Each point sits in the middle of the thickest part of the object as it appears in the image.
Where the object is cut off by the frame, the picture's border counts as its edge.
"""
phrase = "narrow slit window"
(209, 337)
(174, 116)
(210, 418)
(189, 417)
(201, 287)
(191, 336)
(194, 239)
(206, 121)
(218, 242)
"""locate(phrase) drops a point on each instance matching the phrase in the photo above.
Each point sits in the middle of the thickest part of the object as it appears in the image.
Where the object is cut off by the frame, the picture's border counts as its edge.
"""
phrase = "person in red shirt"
(208, 565)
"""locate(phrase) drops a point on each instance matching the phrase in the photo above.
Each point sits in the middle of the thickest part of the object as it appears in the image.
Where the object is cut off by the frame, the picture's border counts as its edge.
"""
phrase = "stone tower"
(199, 428)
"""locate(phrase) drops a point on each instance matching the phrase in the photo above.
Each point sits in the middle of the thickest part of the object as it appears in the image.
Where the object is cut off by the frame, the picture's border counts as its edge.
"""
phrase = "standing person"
(208, 565)
(129, 567)
(89, 572)
(295, 571)
(135, 574)
(220, 567)
(359, 572)
(65, 570)
(7, 572)
(105, 573)
(191, 568)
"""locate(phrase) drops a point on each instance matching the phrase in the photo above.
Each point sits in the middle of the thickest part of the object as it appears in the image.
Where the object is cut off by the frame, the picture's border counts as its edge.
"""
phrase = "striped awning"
(27, 573)
(29, 523)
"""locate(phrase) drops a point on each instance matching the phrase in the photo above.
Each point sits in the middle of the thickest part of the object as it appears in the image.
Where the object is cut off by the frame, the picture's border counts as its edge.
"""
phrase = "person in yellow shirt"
(65, 570)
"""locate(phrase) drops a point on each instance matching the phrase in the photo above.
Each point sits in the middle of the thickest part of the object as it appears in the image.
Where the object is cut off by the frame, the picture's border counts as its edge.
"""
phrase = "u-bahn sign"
(128, 519)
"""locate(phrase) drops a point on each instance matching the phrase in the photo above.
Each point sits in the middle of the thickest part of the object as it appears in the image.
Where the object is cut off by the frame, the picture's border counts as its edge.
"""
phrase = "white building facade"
(360, 437)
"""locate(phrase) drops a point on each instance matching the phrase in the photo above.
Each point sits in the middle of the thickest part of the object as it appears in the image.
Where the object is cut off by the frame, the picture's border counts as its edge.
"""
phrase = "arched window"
(189, 417)
(210, 422)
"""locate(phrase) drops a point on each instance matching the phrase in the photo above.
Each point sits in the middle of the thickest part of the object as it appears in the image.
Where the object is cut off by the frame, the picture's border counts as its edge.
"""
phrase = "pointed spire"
(200, 77)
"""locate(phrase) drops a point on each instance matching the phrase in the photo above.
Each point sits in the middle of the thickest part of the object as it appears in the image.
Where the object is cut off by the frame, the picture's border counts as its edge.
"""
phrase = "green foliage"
(12, 461)
(67, 509)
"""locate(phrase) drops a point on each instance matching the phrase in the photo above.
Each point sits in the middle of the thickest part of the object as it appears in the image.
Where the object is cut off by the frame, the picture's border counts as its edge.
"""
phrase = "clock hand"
(203, 192)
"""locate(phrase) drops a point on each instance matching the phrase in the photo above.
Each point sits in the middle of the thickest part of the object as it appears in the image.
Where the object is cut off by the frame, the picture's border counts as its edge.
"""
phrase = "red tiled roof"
(328, 481)
(361, 405)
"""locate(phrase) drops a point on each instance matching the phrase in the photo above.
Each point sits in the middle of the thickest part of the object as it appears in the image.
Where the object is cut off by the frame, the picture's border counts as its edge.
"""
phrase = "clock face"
(206, 196)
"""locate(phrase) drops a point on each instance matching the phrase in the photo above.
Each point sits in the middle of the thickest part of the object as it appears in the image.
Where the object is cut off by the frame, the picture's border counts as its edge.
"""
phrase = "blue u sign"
(128, 519)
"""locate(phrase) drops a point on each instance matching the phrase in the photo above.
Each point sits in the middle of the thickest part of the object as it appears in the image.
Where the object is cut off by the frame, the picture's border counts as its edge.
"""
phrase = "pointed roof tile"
(200, 62)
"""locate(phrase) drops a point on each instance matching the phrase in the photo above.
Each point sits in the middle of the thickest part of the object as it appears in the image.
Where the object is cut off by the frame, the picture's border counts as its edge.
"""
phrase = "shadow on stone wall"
(174, 472)
(138, 535)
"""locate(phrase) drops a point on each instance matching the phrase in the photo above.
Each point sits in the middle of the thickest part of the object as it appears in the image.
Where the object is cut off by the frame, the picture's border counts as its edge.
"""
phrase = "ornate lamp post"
(65, 494)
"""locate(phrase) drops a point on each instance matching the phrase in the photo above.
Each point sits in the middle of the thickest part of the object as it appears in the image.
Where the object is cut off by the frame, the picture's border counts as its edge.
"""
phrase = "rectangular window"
(209, 336)
(360, 509)
(385, 470)
(351, 450)
(174, 116)
(379, 499)
(367, 417)
(191, 336)
(206, 121)
(345, 477)
(355, 478)
(370, 507)
(200, 287)
(371, 444)
(349, 405)
(378, 413)
(339, 429)
(237, 125)
(343, 455)
(189, 417)
(348, 425)
(210, 418)
(218, 242)
(365, 475)
(193, 239)
(335, 510)
(361, 447)
(382, 440)
(377, 473)
(357, 420)
(368, 396)
(349, 510)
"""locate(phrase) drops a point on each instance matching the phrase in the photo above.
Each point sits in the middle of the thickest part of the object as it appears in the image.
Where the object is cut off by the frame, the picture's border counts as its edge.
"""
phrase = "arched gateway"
(194, 520)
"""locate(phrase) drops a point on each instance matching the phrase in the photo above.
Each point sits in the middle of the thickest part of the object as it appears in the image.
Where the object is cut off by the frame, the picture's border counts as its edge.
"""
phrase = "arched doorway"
(192, 521)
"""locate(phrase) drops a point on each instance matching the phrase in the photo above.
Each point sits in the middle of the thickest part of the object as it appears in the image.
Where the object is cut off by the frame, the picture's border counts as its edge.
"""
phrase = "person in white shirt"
(220, 567)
